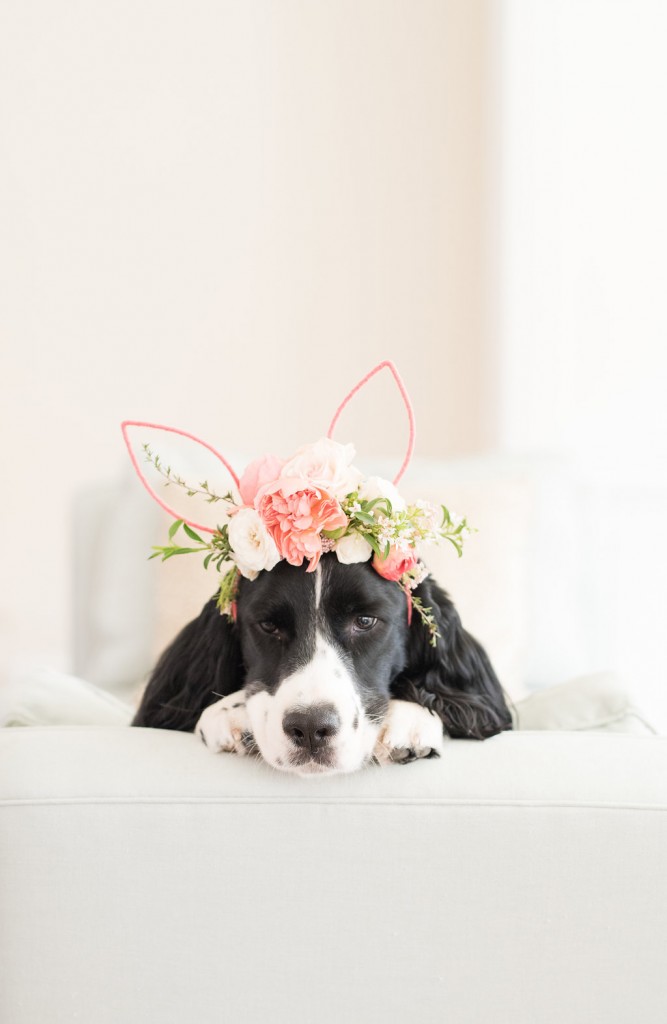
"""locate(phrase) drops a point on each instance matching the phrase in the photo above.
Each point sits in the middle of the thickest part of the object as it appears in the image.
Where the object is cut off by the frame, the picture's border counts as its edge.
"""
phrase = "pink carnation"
(396, 563)
(257, 475)
(295, 513)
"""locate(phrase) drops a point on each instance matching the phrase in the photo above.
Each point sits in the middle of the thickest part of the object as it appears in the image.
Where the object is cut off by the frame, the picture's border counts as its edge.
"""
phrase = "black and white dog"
(321, 673)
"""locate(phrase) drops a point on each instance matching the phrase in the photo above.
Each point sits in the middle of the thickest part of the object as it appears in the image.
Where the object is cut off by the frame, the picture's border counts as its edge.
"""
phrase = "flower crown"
(302, 507)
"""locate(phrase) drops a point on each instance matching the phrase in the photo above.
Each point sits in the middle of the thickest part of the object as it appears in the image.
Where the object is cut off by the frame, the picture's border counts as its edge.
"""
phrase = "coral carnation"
(295, 513)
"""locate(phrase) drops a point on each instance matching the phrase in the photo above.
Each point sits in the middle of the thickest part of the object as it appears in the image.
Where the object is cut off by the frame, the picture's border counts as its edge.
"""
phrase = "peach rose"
(259, 473)
(326, 464)
(251, 543)
(396, 563)
(295, 513)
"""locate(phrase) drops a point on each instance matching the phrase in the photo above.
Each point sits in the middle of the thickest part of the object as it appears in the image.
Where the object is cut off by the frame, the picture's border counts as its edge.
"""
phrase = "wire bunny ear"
(406, 401)
(127, 425)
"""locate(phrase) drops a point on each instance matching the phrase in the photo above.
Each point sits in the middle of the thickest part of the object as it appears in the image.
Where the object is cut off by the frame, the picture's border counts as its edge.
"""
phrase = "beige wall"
(219, 216)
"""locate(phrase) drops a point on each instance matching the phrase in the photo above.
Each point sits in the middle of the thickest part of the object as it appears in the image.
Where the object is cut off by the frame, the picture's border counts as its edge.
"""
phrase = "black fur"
(201, 665)
(209, 658)
(455, 678)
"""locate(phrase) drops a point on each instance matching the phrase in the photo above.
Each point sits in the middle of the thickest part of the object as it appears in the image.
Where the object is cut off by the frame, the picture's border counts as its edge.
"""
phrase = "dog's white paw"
(408, 732)
(224, 726)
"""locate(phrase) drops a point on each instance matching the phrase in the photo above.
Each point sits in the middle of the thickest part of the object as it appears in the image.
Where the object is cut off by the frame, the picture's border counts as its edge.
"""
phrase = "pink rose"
(396, 563)
(259, 473)
(295, 513)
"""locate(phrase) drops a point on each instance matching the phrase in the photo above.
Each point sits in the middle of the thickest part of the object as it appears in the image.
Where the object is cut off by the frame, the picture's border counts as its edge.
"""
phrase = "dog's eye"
(269, 627)
(363, 623)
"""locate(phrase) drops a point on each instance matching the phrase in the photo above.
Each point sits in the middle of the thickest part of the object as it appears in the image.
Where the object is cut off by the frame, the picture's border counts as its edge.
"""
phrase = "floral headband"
(302, 507)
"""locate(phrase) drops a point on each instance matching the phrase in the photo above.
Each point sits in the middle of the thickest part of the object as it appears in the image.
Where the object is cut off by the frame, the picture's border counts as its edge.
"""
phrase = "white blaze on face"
(325, 680)
(318, 586)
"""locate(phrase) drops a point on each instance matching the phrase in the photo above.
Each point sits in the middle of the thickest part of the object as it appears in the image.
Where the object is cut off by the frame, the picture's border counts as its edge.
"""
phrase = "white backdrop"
(220, 215)
(582, 303)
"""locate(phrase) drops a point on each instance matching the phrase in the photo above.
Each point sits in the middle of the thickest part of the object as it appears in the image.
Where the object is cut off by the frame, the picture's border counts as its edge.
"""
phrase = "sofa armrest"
(519, 879)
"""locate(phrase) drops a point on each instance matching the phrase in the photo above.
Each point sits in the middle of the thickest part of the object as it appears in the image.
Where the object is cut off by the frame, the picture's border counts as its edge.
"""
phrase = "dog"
(325, 672)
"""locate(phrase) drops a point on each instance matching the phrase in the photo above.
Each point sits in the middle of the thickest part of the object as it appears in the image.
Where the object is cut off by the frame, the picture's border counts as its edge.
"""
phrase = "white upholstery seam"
(135, 730)
(377, 801)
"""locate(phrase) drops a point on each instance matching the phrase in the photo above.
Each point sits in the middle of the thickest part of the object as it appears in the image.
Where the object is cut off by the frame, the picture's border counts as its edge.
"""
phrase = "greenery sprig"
(227, 593)
(174, 478)
(216, 551)
(383, 527)
(427, 617)
(455, 529)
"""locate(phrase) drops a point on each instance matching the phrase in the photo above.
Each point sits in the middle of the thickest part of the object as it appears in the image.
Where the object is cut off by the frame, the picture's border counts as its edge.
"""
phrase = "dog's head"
(321, 640)
(320, 652)
(319, 656)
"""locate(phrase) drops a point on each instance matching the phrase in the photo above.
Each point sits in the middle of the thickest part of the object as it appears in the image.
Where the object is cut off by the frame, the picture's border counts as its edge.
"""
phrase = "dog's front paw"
(224, 726)
(408, 732)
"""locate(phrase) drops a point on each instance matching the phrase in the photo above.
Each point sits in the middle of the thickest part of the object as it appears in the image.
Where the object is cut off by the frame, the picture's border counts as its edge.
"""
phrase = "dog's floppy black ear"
(202, 664)
(454, 678)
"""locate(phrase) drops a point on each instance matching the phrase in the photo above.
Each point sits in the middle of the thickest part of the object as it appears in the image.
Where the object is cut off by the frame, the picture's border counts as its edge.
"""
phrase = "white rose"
(252, 544)
(353, 548)
(326, 464)
(376, 487)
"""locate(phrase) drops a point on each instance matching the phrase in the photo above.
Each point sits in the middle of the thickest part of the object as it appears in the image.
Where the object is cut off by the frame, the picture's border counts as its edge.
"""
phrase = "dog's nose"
(312, 728)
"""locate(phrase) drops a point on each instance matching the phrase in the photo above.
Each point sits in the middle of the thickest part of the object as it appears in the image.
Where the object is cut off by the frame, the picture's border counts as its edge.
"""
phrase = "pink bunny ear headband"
(298, 509)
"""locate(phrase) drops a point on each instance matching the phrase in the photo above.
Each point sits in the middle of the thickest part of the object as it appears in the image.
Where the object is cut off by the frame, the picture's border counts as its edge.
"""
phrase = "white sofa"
(521, 881)
(518, 880)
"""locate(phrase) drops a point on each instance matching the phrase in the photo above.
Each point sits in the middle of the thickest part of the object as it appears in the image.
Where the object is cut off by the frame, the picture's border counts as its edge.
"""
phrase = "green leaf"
(170, 552)
(174, 528)
(452, 541)
(208, 559)
(373, 543)
(334, 534)
(363, 517)
(382, 505)
(191, 533)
